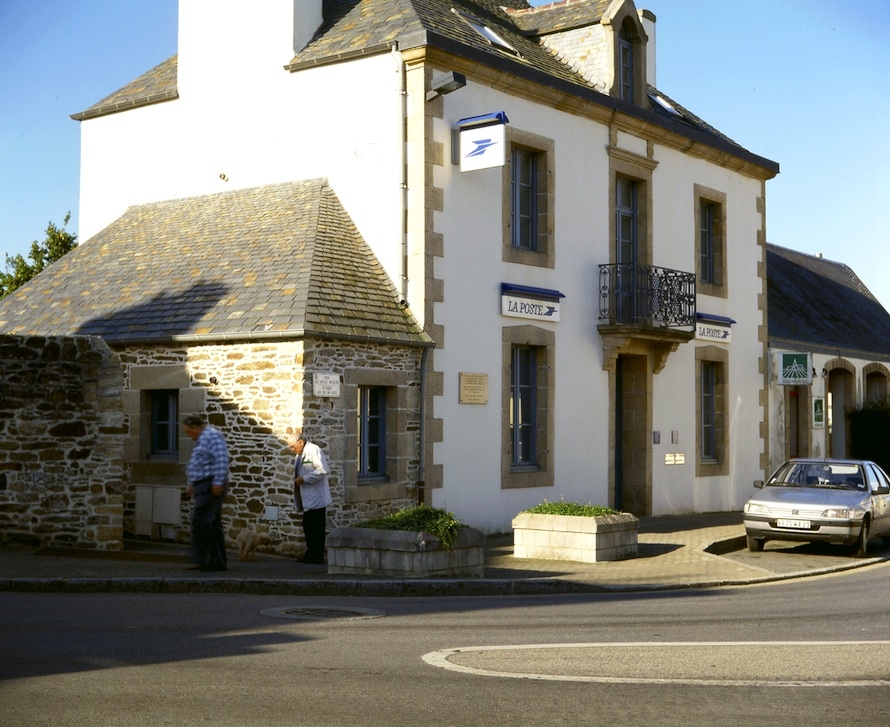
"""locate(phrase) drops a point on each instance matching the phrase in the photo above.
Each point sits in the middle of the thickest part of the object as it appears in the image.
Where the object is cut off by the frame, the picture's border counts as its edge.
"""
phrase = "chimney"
(647, 18)
(308, 17)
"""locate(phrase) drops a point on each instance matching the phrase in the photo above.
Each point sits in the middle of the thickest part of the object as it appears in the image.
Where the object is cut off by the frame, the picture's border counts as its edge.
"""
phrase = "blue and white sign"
(482, 141)
(522, 301)
(713, 328)
(539, 310)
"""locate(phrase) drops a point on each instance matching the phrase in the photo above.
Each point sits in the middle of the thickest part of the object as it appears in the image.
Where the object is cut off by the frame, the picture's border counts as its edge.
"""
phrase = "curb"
(394, 588)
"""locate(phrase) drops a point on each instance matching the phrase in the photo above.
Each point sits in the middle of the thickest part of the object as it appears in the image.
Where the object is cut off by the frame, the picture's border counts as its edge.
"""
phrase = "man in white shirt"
(312, 494)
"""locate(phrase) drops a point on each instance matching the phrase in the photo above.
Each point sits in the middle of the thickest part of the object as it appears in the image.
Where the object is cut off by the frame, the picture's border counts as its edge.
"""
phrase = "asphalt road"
(803, 652)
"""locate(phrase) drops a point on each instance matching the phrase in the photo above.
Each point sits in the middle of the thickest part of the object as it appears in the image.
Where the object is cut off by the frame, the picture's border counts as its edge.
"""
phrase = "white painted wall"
(473, 270)
(242, 115)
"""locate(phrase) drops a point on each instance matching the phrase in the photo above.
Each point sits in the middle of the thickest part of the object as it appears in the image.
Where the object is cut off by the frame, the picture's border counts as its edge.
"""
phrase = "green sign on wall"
(795, 369)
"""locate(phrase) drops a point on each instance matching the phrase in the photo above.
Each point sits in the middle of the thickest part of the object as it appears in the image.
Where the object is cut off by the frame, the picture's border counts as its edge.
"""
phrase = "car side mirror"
(882, 490)
(758, 484)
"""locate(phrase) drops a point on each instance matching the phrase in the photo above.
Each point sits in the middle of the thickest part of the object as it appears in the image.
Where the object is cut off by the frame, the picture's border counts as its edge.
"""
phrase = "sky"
(801, 82)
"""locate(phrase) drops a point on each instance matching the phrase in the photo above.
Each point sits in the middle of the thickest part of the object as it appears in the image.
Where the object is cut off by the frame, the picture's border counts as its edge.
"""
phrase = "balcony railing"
(646, 295)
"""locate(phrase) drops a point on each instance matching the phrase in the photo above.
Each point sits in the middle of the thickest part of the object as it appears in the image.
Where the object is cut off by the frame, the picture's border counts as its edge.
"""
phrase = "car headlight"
(837, 512)
(754, 507)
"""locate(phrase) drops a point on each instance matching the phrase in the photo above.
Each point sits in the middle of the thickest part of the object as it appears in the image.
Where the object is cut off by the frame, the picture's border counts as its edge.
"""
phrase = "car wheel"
(862, 543)
(754, 544)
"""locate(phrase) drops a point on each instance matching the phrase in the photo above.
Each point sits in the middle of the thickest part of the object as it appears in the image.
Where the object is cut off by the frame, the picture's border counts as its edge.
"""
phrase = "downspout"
(403, 167)
(421, 467)
(405, 301)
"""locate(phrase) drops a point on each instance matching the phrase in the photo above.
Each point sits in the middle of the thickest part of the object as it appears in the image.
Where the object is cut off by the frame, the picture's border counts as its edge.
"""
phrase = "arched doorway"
(840, 399)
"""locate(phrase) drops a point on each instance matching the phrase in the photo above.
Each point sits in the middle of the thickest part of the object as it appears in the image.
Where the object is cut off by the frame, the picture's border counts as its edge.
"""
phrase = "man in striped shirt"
(208, 477)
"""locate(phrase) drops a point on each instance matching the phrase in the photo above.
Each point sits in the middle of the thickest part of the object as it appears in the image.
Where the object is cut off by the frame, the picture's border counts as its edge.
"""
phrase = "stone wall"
(75, 425)
(61, 442)
(256, 394)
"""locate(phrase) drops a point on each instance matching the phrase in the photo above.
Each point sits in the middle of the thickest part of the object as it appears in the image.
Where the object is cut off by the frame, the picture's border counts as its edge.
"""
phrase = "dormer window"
(629, 59)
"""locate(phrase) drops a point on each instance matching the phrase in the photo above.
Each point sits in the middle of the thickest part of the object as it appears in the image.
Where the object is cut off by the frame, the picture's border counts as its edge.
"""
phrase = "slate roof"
(154, 86)
(279, 261)
(823, 305)
(351, 28)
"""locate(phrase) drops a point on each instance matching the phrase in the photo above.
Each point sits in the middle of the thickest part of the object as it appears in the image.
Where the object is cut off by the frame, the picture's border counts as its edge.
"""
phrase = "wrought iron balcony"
(646, 295)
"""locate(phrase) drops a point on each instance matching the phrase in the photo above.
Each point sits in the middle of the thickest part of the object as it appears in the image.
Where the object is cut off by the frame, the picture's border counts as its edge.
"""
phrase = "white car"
(820, 500)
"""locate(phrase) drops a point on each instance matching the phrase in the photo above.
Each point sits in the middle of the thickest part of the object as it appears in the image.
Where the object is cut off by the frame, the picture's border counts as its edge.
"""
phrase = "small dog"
(248, 541)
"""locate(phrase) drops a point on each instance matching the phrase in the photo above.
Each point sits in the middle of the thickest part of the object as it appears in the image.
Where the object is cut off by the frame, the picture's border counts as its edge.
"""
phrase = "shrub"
(870, 432)
(423, 519)
(572, 508)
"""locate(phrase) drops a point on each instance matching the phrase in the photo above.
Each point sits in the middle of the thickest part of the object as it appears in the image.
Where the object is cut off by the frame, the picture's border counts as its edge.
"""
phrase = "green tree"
(19, 271)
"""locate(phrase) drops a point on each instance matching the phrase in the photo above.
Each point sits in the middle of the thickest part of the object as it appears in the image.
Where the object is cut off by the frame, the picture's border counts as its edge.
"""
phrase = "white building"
(829, 341)
(580, 317)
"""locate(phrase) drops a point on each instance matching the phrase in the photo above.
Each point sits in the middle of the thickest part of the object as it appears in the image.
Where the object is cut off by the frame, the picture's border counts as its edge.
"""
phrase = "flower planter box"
(366, 551)
(571, 537)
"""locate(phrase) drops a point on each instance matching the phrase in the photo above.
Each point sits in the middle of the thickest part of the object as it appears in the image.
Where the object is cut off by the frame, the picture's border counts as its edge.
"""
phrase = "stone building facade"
(256, 394)
(61, 442)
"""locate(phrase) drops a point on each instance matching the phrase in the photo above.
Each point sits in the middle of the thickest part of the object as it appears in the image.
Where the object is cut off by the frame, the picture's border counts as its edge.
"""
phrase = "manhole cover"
(321, 613)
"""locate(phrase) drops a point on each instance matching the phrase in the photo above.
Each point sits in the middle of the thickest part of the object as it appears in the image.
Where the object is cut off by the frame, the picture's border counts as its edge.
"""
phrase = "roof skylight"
(665, 104)
(486, 32)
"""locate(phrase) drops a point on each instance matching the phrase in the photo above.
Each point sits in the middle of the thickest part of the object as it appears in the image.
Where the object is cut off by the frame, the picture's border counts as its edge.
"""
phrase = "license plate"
(800, 524)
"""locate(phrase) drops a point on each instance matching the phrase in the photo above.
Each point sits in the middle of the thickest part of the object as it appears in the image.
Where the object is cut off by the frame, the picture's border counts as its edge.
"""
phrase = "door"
(632, 444)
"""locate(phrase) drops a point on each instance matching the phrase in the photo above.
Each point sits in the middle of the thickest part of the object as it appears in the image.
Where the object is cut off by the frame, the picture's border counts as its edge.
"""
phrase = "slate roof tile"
(824, 305)
(241, 264)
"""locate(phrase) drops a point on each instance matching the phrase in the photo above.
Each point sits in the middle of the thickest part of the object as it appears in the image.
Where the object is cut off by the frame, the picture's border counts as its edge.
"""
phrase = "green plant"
(870, 432)
(423, 519)
(572, 508)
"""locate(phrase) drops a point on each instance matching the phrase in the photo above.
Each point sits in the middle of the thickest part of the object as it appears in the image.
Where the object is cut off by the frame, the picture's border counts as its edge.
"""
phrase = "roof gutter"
(419, 340)
(585, 93)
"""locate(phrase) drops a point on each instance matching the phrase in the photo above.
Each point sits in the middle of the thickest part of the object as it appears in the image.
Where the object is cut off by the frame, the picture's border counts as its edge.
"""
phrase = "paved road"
(674, 657)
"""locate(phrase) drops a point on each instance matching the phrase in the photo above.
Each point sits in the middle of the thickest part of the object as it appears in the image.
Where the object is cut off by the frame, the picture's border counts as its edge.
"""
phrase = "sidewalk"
(686, 551)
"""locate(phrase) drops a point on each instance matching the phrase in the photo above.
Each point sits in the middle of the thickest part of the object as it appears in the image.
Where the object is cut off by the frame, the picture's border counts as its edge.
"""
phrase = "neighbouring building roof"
(279, 261)
(154, 86)
(822, 305)
(351, 29)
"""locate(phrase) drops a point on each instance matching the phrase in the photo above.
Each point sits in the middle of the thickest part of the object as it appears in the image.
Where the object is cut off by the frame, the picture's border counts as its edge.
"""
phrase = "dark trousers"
(208, 538)
(313, 528)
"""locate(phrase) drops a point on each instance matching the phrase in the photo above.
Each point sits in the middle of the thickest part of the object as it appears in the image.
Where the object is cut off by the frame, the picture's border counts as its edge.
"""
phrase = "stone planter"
(571, 537)
(366, 551)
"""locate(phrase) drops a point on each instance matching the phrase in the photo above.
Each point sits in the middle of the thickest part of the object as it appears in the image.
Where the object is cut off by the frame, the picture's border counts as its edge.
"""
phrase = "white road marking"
(443, 659)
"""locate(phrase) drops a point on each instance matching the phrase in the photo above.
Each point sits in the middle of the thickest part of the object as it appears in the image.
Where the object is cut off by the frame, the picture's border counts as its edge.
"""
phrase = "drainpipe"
(402, 90)
(421, 468)
(403, 166)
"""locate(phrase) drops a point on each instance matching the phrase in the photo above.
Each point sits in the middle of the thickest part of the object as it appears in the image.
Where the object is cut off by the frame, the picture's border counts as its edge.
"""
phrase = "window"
(528, 184)
(524, 202)
(708, 411)
(712, 443)
(626, 220)
(380, 453)
(523, 411)
(164, 419)
(710, 224)
(371, 427)
(626, 247)
(706, 232)
(527, 411)
(626, 65)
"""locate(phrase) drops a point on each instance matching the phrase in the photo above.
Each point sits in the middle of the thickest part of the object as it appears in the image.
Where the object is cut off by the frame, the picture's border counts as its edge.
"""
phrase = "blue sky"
(801, 82)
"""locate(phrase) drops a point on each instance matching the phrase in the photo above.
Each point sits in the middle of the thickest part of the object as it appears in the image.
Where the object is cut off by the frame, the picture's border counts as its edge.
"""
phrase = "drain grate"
(321, 613)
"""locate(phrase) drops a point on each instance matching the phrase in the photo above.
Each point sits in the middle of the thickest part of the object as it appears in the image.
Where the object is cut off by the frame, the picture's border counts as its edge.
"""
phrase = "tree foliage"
(19, 271)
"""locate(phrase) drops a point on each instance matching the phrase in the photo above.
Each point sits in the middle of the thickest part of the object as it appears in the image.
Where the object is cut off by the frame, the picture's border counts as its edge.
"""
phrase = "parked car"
(820, 500)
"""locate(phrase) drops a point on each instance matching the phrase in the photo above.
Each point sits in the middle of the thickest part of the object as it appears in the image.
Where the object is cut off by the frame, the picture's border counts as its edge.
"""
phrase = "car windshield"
(819, 474)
